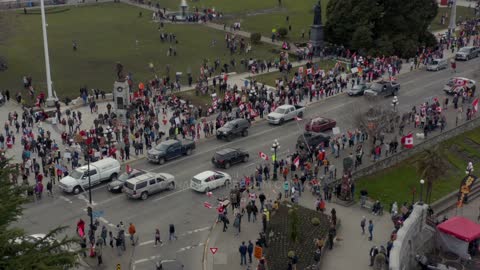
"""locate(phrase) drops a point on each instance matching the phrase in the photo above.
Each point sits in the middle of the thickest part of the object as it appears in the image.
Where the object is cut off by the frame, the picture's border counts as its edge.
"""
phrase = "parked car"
(284, 113)
(147, 184)
(357, 90)
(437, 64)
(100, 171)
(232, 128)
(170, 149)
(383, 88)
(320, 124)
(229, 156)
(310, 140)
(467, 53)
(457, 85)
(209, 180)
(117, 185)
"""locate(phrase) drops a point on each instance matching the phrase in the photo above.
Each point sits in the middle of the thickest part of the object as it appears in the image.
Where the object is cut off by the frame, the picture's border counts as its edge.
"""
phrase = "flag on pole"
(297, 118)
(207, 205)
(296, 161)
(475, 105)
(407, 141)
(128, 169)
(263, 155)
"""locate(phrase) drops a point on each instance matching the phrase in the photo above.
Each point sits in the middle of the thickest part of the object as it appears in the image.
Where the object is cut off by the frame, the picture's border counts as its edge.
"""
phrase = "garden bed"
(280, 242)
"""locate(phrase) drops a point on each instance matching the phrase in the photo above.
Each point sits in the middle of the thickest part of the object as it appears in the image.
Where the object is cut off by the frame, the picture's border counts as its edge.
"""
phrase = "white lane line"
(65, 199)
(83, 198)
(111, 199)
(190, 247)
(249, 165)
(171, 194)
(151, 258)
(180, 235)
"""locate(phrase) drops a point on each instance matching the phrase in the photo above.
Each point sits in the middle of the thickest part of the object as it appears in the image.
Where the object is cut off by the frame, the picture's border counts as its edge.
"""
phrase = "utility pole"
(453, 20)
(50, 98)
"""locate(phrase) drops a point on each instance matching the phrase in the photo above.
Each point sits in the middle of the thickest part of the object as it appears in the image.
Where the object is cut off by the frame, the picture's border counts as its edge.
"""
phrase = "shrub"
(315, 221)
(255, 38)
(282, 31)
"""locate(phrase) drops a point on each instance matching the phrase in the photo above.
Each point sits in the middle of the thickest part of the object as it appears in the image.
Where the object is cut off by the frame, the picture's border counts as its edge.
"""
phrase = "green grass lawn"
(269, 78)
(396, 183)
(107, 33)
(225, 6)
(462, 13)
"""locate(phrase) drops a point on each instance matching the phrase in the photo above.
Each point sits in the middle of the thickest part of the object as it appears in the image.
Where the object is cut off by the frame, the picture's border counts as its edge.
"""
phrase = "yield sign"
(213, 250)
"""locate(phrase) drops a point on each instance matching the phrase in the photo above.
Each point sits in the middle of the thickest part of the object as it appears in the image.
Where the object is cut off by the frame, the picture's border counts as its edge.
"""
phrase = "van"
(106, 169)
(209, 180)
(437, 64)
(147, 184)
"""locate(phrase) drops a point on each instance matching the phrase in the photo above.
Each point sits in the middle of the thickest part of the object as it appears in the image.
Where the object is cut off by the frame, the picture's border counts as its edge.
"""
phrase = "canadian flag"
(309, 70)
(263, 155)
(207, 205)
(407, 141)
(296, 161)
(475, 105)
(297, 118)
(128, 169)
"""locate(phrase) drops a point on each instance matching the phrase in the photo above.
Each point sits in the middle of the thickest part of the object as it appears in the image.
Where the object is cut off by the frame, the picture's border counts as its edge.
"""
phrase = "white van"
(208, 180)
(437, 64)
(102, 170)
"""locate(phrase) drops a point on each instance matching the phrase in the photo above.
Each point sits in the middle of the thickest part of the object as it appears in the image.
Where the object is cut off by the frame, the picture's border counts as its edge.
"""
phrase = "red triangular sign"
(214, 250)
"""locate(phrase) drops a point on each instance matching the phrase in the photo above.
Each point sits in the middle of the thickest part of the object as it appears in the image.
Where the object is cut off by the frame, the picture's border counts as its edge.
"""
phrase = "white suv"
(208, 180)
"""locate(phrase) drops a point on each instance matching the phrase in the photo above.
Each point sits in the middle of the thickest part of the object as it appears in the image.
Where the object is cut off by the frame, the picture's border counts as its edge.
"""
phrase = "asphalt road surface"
(184, 207)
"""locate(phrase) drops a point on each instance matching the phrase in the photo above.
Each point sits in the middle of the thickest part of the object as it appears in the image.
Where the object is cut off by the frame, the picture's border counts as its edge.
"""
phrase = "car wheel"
(227, 165)
(281, 121)
(226, 183)
(207, 189)
(245, 133)
(300, 114)
(113, 177)
(189, 151)
(144, 195)
(245, 159)
(171, 186)
(161, 161)
(77, 190)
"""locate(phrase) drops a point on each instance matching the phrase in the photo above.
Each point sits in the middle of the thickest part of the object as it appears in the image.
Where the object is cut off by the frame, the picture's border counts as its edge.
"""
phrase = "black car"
(229, 156)
(117, 185)
(311, 140)
(232, 128)
(357, 90)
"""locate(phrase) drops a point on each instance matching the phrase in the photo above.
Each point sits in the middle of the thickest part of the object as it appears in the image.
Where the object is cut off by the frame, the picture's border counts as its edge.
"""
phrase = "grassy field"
(396, 183)
(225, 6)
(107, 33)
(462, 13)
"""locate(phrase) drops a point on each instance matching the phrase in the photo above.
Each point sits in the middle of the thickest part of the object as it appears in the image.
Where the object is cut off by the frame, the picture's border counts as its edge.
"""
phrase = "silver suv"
(147, 184)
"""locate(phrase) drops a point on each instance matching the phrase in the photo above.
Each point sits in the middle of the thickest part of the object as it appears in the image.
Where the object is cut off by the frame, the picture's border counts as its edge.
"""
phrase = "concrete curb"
(205, 249)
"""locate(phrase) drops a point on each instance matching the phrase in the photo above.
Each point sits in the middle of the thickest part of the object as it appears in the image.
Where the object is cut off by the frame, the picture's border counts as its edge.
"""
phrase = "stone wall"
(419, 147)
(414, 237)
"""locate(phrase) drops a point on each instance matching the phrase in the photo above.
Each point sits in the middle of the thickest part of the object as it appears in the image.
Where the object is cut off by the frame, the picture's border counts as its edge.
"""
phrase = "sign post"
(213, 250)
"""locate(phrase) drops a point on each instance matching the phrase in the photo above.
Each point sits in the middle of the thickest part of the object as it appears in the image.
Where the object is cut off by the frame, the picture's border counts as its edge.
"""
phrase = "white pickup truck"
(102, 170)
(285, 113)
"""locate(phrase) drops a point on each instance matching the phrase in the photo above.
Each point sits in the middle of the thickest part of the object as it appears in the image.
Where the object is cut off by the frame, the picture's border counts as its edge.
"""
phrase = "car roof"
(226, 151)
(169, 142)
(141, 177)
(319, 118)
(206, 174)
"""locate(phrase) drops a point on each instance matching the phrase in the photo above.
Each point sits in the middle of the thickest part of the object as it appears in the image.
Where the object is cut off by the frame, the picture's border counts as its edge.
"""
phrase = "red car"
(320, 124)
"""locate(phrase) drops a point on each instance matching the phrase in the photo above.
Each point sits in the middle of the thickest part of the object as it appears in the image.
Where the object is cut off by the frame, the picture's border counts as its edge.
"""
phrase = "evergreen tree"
(17, 249)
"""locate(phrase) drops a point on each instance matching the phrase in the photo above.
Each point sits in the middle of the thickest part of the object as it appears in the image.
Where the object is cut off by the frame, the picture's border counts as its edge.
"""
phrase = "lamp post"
(275, 146)
(109, 131)
(88, 143)
(421, 191)
(453, 19)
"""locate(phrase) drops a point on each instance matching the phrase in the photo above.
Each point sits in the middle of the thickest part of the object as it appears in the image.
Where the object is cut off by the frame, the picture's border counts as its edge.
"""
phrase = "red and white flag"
(309, 71)
(475, 105)
(128, 169)
(263, 155)
(407, 141)
(296, 161)
(209, 194)
(207, 205)
(298, 118)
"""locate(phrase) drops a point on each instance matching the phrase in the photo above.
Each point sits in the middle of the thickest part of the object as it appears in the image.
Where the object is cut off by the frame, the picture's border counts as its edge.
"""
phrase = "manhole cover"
(450, 256)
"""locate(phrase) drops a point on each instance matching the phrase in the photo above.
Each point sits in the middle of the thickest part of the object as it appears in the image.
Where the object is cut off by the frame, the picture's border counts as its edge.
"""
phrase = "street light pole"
(50, 98)
(421, 191)
(90, 211)
(275, 146)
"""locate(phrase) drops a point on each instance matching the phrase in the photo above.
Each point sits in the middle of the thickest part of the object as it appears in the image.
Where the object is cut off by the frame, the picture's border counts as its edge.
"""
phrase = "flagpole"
(50, 98)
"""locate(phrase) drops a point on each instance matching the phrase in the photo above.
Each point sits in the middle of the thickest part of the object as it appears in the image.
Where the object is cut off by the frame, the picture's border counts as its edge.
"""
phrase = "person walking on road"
(225, 223)
(157, 237)
(243, 253)
(250, 250)
(238, 222)
(103, 234)
(363, 223)
(373, 253)
(111, 238)
(132, 231)
(370, 230)
(172, 232)
(98, 251)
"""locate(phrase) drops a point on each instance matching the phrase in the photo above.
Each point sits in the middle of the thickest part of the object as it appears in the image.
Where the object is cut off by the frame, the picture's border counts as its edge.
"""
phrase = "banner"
(465, 188)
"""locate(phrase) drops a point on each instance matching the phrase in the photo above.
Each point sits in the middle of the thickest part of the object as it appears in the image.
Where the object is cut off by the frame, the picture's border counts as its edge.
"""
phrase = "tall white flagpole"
(50, 98)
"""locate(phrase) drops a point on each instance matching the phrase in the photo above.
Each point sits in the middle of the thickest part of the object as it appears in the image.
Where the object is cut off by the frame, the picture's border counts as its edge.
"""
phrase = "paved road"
(183, 207)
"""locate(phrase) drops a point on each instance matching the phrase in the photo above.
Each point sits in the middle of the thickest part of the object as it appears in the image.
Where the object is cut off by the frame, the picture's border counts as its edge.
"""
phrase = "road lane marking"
(190, 247)
(65, 199)
(171, 194)
(180, 235)
(83, 198)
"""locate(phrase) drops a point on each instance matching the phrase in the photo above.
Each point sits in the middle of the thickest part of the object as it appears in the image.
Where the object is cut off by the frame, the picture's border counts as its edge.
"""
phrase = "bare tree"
(377, 119)
(431, 166)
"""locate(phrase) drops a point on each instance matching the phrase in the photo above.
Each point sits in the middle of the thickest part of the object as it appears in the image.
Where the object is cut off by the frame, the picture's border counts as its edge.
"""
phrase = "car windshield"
(218, 156)
(76, 174)
(377, 87)
(229, 125)
(280, 110)
(123, 177)
(466, 50)
(161, 147)
(357, 87)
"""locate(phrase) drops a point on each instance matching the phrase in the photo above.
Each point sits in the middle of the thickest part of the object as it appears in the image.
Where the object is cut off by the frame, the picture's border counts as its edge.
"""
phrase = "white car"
(209, 180)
